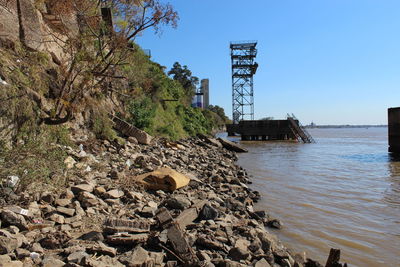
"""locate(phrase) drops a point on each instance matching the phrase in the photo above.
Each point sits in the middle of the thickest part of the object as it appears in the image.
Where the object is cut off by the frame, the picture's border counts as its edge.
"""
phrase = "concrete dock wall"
(394, 129)
(262, 130)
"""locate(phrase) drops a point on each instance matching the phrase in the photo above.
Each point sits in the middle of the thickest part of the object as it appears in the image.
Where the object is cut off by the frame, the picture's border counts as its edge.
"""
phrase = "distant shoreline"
(343, 126)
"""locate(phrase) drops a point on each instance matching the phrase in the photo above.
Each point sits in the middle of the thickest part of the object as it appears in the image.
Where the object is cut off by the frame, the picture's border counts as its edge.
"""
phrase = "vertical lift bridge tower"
(244, 67)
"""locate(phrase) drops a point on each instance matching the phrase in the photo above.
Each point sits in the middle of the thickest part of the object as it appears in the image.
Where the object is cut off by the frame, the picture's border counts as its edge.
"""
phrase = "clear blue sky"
(326, 61)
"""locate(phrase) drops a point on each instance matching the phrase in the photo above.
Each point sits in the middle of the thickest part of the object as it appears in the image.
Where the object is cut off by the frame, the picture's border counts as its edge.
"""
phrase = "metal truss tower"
(243, 68)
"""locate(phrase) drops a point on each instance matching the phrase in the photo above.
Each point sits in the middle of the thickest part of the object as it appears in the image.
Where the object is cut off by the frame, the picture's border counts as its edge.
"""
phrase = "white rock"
(12, 181)
(3, 82)
(69, 162)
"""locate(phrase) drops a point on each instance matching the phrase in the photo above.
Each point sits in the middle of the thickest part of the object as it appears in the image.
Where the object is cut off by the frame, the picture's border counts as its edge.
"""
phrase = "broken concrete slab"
(126, 239)
(114, 194)
(52, 262)
(232, 146)
(57, 218)
(82, 188)
(139, 257)
(101, 249)
(180, 244)
(164, 218)
(112, 225)
(77, 257)
(66, 211)
(188, 216)
(62, 202)
(209, 244)
(210, 140)
(129, 130)
(103, 261)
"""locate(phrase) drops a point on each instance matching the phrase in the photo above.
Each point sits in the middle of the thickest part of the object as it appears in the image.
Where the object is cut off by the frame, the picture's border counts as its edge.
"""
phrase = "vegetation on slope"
(43, 100)
(161, 105)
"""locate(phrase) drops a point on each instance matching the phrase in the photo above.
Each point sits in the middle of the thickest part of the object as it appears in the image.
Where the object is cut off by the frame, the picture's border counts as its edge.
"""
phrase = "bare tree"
(99, 48)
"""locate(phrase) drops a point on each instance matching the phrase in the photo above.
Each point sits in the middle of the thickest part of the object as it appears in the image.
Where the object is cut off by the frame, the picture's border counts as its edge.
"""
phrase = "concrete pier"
(394, 130)
(262, 130)
(265, 130)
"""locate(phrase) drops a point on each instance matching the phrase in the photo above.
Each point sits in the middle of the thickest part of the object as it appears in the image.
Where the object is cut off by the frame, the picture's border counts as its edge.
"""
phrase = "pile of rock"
(106, 218)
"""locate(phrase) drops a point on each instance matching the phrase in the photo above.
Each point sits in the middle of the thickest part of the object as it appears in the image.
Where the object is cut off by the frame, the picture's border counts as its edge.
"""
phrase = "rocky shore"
(107, 217)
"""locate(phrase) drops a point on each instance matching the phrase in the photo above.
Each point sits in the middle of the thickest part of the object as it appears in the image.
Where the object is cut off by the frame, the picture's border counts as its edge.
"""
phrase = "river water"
(341, 192)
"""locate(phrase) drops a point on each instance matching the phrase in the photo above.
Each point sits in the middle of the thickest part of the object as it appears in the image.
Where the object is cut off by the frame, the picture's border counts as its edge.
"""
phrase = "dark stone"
(261, 213)
(274, 223)
(208, 213)
(92, 236)
(178, 203)
(238, 254)
(10, 218)
(312, 263)
(7, 43)
(55, 240)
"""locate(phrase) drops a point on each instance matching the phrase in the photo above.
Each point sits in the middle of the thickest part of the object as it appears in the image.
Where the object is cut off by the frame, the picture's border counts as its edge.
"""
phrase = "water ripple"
(343, 191)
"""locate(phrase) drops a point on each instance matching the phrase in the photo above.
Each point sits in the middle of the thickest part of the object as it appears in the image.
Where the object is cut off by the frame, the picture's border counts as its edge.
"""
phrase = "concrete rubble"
(108, 217)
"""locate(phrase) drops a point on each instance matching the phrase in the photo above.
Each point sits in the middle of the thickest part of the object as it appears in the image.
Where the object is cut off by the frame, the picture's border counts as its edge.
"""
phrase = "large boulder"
(30, 25)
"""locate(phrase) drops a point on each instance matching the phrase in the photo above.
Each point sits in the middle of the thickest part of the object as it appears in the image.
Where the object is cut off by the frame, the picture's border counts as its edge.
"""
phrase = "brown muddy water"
(342, 192)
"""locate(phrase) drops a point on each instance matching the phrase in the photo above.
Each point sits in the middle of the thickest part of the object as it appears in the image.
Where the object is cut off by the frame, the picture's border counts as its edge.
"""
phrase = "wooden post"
(333, 258)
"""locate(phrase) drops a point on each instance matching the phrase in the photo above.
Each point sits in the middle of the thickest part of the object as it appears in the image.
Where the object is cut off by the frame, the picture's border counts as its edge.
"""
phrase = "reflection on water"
(384, 157)
(392, 194)
(342, 192)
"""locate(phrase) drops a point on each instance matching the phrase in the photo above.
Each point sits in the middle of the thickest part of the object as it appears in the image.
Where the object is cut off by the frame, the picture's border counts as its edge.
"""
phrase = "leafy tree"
(219, 111)
(184, 76)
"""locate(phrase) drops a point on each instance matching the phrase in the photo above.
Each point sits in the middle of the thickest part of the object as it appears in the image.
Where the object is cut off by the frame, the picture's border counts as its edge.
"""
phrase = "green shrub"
(193, 120)
(142, 112)
(58, 134)
(168, 131)
(102, 126)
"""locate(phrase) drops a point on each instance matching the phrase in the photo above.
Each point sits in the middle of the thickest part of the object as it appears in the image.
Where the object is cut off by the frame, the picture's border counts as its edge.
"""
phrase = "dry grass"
(38, 165)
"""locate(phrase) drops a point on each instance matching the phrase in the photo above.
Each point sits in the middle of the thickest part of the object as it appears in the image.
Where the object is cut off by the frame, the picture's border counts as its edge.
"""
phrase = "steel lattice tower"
(243, 69)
